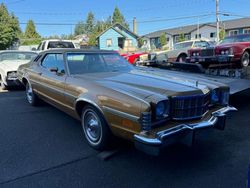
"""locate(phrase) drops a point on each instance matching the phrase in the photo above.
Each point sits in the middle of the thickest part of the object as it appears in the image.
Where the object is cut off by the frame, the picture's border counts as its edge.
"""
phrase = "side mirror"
(53, 69)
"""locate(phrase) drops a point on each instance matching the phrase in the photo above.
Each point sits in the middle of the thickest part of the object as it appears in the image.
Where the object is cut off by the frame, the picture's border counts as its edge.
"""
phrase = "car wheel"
(31, 96)
(136, 62)
(95, 128)
(245, 58)
(182, 58)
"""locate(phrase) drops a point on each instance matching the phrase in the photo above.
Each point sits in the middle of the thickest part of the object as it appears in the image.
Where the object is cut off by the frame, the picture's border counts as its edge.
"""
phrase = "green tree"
(222, 34)
(90, 23)
(30, 31)
(80, 28)
(119, 18)
(9, 28)
(182, 38)
(140, 42)
(163, 39)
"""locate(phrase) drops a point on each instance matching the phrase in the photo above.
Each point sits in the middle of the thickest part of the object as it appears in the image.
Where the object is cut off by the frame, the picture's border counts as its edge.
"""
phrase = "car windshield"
(80, 63)
(239, 38)
(60, 44)
(13, 56)
(183, 45)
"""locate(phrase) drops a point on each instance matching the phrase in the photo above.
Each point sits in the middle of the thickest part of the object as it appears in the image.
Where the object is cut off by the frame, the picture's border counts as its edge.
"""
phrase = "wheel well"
(24, 81)
(247, 50)
(80, 105)
(182, 54)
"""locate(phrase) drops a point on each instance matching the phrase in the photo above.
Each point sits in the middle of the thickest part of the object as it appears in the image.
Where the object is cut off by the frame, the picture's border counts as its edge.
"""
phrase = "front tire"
(32, 98)
(95, 128)
(182, 58)
(245, 58)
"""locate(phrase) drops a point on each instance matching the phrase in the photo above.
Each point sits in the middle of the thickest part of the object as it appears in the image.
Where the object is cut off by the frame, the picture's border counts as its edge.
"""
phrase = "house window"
(168, 39)
(246, 31)
(233, 32)
(177, 38)
(212, 35)
(130, 42)
(197, 36)
(187, 37)
(109, 42)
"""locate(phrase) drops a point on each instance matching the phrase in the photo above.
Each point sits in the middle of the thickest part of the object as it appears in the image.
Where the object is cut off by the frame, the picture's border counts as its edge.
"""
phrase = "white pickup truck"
(55, 43)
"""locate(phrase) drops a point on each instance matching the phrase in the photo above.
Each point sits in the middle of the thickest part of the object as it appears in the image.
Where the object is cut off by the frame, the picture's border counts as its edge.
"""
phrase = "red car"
(233, 49)
(133, 58)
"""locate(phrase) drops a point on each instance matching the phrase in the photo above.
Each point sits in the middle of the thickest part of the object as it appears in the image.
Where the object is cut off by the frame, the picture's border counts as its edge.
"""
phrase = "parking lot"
(43, 147)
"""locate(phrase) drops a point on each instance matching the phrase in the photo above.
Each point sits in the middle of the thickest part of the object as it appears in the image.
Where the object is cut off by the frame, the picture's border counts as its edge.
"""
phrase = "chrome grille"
(189, 107)
(207, 52)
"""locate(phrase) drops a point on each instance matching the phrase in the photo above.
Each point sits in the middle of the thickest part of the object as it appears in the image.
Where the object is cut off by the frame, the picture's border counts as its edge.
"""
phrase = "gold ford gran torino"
(111, 97)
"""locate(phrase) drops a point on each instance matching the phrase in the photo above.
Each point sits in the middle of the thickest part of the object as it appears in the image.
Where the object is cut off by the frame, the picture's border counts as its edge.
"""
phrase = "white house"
(204, 31)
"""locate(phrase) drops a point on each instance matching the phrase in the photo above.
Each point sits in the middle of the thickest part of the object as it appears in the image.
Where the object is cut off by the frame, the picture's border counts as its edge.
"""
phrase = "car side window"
(52, 61)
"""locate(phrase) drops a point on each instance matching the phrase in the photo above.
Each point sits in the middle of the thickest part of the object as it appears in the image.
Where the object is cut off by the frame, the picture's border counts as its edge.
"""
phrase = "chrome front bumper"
(181, 133)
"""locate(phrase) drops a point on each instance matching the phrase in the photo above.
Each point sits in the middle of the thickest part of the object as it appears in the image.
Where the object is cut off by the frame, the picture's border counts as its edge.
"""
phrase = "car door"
(51, 82)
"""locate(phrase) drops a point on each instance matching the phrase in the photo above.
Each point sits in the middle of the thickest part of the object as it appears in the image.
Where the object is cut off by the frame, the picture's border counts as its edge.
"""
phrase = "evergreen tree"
(30, 31)
(90, 23)
(80, 28)
(9, 28)
(119, 18)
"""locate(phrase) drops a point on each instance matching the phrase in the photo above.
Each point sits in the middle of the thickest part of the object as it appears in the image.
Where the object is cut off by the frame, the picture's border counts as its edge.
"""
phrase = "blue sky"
(64, 11)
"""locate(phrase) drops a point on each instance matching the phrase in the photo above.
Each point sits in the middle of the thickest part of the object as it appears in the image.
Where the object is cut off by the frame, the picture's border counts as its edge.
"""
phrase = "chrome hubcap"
(92, 127)
(245, 61)
(29, 93)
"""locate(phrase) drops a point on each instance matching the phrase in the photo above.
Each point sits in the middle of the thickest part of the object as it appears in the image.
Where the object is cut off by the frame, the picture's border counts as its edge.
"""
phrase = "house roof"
(229, 24)
(114, 26)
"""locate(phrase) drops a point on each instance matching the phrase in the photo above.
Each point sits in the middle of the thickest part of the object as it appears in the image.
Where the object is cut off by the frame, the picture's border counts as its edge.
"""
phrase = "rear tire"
(245, 58)
(32, 98)
(95, 128)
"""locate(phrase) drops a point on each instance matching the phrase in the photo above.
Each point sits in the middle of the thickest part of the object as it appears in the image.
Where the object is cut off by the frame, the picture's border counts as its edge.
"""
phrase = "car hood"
(143, 84)
(12, 65)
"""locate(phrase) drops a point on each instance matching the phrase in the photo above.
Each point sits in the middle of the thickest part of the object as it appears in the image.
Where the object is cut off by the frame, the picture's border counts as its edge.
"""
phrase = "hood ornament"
(197, 83)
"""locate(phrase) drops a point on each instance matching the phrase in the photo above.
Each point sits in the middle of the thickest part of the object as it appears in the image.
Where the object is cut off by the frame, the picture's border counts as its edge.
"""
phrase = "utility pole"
(198, 28)
(217, 22)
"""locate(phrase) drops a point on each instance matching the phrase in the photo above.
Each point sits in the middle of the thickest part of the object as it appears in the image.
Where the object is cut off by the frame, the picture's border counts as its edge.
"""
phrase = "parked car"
(9, 63)
(179, 53)
(233, 49)
(134, 57)
(55, 43)
(111, 97)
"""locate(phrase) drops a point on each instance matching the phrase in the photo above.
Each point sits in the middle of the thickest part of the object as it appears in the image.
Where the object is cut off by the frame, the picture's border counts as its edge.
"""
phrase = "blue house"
(119, 38)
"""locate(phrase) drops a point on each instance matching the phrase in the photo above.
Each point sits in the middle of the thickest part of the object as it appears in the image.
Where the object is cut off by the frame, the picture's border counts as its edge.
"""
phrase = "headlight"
(222, 52)
(197, 54)
(224, 97)
(220, 97)
(12, 75)
(215, 96)
(162, 109)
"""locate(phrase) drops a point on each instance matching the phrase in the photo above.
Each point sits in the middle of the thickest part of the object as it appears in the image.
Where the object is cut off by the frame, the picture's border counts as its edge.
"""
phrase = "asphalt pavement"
(43, 147)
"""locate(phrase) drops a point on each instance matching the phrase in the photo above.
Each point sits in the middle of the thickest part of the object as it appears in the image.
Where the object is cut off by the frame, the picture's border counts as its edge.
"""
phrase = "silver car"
(10, 60)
